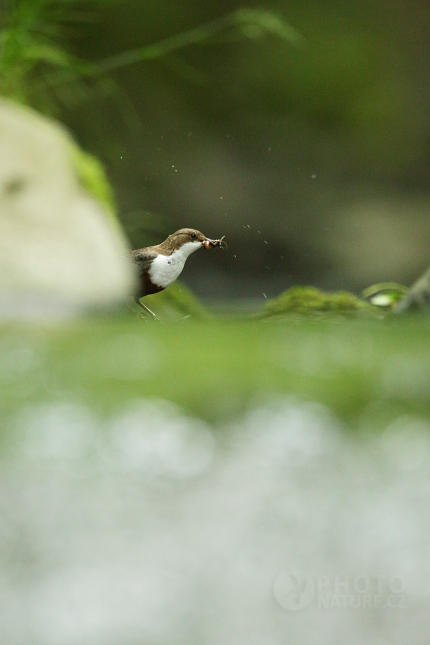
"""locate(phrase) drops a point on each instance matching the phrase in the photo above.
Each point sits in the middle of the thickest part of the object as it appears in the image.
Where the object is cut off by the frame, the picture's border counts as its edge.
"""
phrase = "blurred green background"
(300, 132)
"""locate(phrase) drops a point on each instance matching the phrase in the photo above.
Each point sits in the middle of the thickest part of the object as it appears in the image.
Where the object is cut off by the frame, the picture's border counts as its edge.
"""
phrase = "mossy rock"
(309, 301)
(175, 302)
(61, 245)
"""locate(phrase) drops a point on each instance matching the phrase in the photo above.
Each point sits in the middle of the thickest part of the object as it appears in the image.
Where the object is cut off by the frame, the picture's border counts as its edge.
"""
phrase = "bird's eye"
(193, 236)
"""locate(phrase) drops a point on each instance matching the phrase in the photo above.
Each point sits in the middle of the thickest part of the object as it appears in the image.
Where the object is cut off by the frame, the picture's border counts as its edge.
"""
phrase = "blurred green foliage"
(364, 371)
(35, 61)
(349, 71)
(33, 43)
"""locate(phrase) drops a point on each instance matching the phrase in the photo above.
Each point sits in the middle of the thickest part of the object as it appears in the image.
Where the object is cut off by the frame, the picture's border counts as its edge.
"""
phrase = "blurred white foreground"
(154, 528)
(61, 251)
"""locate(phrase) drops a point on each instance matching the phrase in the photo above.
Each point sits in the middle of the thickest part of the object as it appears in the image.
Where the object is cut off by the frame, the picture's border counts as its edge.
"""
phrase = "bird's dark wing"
(142, 258)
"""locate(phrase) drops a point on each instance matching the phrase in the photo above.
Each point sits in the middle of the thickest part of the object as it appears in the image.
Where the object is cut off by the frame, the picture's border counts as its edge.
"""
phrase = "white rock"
(59, 253)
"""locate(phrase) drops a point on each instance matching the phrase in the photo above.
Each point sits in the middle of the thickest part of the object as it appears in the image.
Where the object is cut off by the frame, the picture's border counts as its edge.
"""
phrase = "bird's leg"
(146, 308)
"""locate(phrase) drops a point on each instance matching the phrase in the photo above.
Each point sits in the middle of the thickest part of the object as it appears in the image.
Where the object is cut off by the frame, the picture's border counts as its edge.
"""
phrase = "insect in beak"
(209, 243)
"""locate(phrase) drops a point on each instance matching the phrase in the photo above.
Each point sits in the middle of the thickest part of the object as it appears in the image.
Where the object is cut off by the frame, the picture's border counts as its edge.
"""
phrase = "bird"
(158, 266)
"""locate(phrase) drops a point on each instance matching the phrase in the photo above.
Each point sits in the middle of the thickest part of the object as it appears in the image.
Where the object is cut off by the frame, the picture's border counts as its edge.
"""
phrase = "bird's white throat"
(165, 269)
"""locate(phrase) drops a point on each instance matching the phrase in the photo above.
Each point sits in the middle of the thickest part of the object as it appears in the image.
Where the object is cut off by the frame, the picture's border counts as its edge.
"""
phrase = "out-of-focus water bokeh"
(267, 518)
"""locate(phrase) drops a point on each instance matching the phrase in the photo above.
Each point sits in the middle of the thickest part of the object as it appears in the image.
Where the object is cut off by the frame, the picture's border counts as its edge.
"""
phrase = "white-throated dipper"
(158, 266)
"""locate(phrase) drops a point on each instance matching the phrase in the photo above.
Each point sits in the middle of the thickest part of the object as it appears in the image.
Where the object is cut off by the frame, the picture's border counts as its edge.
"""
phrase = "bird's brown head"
(184, 235)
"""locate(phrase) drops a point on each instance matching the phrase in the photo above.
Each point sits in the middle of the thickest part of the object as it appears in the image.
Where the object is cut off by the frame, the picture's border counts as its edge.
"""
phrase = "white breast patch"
(166, 268)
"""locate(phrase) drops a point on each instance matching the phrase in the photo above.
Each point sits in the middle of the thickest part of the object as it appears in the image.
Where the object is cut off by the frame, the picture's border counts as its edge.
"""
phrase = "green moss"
(93, 179)
(309, 301)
